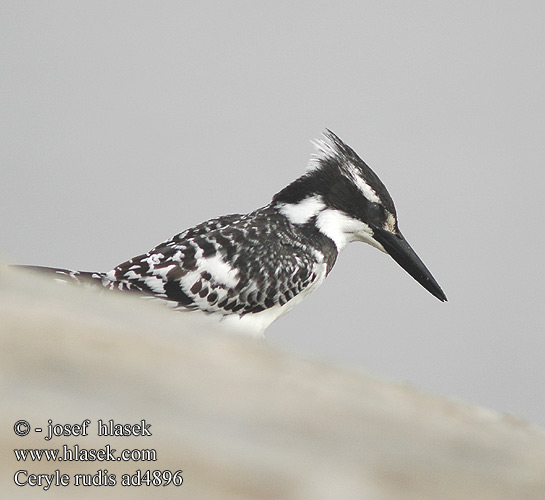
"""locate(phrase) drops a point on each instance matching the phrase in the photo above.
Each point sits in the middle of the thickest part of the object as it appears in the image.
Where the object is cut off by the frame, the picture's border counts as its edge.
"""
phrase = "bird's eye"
(375, 211)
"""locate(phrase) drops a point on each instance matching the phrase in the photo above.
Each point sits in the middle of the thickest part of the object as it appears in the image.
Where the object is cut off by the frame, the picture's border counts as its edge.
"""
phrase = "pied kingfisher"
(248, 270)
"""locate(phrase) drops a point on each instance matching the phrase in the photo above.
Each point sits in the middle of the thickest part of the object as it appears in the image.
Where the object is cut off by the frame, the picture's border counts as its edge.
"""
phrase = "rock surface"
(243, 421)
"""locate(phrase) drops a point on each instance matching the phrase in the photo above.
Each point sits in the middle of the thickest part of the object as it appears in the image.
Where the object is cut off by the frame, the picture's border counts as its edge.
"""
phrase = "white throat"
(343, 229)
(336, 225)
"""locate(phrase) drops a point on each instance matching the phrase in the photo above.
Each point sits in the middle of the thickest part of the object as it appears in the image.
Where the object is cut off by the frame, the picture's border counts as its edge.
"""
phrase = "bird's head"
(346, 201)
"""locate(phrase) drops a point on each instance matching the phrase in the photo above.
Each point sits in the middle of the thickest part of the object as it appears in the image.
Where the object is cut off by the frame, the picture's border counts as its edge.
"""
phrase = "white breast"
(255, 324)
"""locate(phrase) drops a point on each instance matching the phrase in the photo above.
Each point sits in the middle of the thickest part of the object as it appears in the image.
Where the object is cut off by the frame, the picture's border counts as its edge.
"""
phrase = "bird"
(246, 270)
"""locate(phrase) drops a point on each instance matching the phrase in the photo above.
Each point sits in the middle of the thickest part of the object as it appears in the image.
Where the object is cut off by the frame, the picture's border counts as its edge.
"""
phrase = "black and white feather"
(248, 270)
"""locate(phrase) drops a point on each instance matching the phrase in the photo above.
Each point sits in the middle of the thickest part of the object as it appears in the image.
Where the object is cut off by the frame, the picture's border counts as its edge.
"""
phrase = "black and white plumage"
(248, 270)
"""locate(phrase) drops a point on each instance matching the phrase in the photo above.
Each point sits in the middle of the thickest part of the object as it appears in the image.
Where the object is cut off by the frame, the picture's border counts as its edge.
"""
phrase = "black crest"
(338, 174)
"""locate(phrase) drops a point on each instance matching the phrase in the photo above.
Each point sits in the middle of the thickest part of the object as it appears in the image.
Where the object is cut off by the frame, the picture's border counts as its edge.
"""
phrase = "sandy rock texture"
(240, 419)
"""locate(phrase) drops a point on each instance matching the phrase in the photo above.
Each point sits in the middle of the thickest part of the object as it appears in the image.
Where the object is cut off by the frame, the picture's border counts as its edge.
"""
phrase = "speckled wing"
(234, 264)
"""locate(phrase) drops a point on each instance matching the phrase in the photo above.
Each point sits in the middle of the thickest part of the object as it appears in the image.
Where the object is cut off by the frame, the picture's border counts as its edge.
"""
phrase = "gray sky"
(123, 123)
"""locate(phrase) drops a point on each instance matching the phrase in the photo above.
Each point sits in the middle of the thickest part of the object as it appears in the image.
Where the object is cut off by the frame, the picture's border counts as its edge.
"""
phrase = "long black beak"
(398, 248)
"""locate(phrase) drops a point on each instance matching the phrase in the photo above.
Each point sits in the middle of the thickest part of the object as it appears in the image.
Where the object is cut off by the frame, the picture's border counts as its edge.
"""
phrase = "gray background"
(123, 123)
